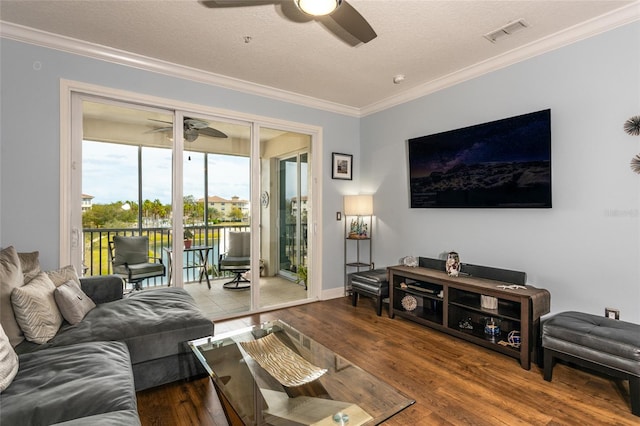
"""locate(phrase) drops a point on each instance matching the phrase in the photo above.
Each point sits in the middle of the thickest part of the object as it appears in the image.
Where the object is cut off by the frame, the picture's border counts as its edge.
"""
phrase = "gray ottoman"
(373, 283)
(602, 344)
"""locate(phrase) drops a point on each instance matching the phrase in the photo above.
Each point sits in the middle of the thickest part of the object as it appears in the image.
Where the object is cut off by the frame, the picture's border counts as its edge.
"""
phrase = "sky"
(109, 174)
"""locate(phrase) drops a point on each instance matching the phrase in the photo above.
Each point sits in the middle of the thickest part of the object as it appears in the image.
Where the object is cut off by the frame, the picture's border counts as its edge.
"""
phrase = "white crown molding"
(601, 24)
(67, 44)
(614, 19)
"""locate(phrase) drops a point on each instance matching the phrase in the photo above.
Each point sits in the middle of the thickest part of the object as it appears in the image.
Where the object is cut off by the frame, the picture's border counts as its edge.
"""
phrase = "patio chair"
(130, 259)
(237, 260)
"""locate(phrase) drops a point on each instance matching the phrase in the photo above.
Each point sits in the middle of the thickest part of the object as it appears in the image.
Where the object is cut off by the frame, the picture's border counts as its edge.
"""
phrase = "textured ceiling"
(424, 40)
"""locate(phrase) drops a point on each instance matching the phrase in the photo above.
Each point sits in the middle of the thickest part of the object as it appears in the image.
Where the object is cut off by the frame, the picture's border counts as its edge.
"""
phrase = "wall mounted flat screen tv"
(500, 164)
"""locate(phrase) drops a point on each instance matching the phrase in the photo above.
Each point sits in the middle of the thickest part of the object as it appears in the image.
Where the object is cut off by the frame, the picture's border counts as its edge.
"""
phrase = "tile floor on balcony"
(217, 302)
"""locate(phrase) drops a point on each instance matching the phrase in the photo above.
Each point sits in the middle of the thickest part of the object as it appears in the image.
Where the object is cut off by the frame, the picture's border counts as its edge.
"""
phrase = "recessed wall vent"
(510, 28)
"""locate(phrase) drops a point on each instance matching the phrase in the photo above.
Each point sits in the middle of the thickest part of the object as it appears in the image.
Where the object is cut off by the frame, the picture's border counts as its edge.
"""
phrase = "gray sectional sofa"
(83, 384)
(88, 373)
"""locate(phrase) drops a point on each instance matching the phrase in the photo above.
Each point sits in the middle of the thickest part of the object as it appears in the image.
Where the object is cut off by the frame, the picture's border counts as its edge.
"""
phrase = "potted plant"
(188, 238)
(302, 275)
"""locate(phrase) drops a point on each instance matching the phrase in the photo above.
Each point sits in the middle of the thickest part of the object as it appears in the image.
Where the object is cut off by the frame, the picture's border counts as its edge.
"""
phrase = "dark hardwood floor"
(452, 381)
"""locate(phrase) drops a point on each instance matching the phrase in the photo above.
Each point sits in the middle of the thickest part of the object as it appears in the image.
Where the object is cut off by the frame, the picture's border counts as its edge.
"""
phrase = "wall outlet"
(338, 215)
(612, 313)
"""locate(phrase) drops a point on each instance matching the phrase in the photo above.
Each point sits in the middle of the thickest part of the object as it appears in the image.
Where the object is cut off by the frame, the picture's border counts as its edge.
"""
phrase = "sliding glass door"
(293, 211)
(133, 156)
(216, 171)
(125, 188)
(285, 213)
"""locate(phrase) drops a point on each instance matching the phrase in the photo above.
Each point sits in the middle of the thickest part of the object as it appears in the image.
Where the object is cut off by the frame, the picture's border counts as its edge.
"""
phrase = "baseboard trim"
(332, 293)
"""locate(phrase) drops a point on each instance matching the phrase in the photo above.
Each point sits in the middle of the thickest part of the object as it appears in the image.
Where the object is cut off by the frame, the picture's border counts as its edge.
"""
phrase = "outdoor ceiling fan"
(327, 12)
(193, 128)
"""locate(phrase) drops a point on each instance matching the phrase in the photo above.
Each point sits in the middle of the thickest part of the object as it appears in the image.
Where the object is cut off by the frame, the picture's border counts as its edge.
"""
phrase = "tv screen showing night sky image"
(500, 164)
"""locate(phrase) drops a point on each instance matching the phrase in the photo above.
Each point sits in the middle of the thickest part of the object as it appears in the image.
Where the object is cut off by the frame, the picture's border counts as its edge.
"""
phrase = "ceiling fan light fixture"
(318, 7)
(191, 135)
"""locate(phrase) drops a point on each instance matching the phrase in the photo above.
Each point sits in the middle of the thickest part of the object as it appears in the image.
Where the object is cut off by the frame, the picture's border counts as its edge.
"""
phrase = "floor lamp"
(359, 206)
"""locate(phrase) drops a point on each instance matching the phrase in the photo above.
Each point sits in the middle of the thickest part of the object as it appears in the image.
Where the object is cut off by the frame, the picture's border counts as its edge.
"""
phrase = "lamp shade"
(358, 205)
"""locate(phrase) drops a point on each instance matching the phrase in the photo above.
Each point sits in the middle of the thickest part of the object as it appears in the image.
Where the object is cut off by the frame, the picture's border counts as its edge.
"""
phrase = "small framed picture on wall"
(342, 166)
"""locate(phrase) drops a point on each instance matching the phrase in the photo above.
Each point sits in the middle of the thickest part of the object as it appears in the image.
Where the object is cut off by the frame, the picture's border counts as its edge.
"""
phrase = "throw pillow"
(10, 278)
(30, 263)
(36, 310)
(8, 361)
(64, 274)
(73, 302)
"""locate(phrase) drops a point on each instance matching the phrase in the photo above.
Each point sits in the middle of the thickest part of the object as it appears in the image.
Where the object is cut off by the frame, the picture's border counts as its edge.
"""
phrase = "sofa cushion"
(60, 384)
(8, 361)
(10, 278)
(103, 288)
(114, 418)
(235, 261)
(35, 308)
(154, 324)
(73, 303)
(140, 270)
(30, 263)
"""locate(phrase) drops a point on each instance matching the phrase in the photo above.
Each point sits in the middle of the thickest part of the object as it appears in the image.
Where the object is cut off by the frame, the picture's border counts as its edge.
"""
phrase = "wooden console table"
(453, 305)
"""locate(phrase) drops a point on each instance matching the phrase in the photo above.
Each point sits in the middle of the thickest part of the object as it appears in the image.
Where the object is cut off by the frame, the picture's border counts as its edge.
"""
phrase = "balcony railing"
(96, 248)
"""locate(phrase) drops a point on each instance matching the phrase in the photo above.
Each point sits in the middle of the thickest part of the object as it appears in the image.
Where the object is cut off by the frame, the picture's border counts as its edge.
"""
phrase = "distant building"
(86, 202)
(303, 205)
(224, 205)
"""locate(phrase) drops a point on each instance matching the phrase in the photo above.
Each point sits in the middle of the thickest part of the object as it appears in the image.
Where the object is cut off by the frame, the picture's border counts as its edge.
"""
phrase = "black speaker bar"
(487, 272)
(427, 262)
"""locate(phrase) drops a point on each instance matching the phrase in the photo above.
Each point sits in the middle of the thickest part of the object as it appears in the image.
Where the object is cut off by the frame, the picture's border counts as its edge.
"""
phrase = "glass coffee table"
(272, 374)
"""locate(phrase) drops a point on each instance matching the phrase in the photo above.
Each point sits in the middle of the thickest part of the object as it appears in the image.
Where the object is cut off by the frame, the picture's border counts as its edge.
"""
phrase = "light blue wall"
(30, 143)
(586, 249)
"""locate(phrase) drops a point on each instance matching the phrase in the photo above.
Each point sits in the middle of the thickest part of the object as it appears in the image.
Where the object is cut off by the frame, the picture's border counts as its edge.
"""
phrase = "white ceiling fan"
(328, 12)
(193, 127)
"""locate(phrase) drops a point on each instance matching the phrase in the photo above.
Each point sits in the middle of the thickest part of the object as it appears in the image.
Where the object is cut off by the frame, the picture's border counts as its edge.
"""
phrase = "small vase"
(453, 264)
(187, 244)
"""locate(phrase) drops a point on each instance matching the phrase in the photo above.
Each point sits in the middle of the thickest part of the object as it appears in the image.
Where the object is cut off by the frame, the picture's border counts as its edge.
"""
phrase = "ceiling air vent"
(510, 28)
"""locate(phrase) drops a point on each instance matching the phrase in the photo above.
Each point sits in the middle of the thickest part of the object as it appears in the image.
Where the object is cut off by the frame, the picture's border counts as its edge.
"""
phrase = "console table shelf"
(362, 258)
(358, 264)
(432, 298)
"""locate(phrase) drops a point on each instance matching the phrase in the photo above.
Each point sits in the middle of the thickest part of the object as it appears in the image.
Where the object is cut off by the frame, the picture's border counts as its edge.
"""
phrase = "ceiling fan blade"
(160, 129)
(214, 133)
(235, 3)
(354, 23)
(192, 128)
(161, 121)
(345, 22)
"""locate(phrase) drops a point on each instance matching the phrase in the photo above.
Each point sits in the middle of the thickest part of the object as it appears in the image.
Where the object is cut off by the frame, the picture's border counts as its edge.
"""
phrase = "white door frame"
(70, 170)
